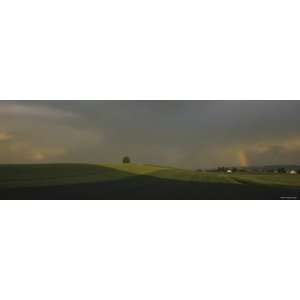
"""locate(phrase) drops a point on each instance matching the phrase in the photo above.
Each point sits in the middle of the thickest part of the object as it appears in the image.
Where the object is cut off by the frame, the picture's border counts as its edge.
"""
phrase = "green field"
(122, 181)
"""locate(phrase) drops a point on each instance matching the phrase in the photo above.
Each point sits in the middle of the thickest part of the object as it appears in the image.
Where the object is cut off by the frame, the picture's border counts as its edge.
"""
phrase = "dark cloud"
(182, 133)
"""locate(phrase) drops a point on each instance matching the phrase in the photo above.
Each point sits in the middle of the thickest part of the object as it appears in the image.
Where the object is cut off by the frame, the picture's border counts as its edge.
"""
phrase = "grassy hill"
(121, 181)
(61, 174)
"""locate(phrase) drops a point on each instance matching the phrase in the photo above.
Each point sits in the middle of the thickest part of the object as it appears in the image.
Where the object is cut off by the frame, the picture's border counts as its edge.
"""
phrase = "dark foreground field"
(80, 181)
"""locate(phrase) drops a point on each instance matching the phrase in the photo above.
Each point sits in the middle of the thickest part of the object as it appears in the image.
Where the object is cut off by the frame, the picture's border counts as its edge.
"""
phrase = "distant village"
(293, 170)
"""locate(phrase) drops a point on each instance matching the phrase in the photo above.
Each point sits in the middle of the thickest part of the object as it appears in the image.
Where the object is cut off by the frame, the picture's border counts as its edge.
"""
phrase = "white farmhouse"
(293, 172)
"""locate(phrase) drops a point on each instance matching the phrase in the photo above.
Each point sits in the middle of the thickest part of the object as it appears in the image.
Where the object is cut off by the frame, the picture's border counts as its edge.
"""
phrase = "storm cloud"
(190, 134)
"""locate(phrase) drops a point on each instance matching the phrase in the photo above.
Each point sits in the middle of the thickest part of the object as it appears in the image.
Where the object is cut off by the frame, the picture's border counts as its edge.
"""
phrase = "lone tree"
(126, 160)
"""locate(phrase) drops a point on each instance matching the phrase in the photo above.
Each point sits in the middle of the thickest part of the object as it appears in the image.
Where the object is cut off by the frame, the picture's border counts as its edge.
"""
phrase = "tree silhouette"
(126, 160)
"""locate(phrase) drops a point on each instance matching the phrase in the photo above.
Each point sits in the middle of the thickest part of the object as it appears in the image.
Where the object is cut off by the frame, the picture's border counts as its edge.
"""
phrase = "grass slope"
(133, 181)
(20, 175)
(136, 169)
(55, 174)
(60, 174)
(269, 179)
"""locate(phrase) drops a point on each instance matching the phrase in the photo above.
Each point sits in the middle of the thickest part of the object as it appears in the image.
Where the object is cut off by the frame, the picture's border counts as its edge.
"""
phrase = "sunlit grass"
(135, 168)
(269, 179)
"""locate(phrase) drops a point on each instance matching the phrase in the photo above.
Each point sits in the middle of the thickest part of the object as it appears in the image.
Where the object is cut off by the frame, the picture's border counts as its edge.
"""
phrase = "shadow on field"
(126, 185)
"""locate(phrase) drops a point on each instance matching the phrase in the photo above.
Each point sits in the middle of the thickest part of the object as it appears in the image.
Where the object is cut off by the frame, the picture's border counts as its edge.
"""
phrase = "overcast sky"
(191, 134)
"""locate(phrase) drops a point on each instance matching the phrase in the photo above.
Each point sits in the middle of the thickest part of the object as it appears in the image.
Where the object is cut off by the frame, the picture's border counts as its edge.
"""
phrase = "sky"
(187, 134)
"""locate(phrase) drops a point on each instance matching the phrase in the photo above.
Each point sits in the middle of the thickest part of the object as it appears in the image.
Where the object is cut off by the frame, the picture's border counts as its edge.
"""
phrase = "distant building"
(293, 172)
(229, 171)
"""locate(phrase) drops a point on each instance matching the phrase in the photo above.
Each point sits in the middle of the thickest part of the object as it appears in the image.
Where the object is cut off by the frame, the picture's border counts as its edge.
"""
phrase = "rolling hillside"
(121, 181)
